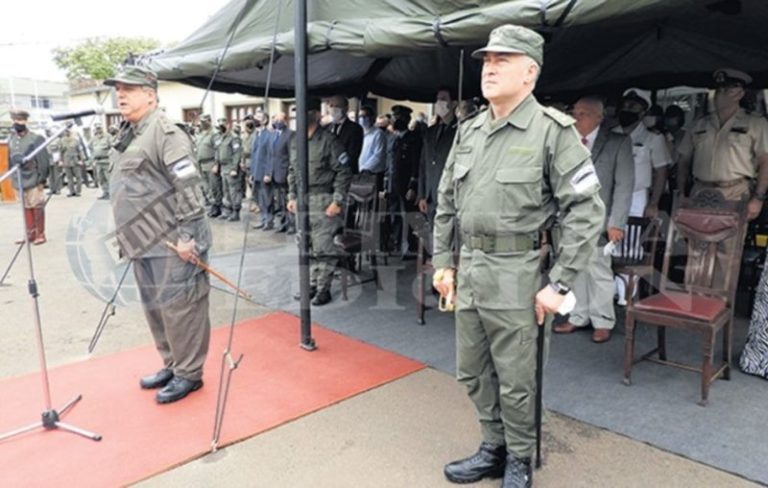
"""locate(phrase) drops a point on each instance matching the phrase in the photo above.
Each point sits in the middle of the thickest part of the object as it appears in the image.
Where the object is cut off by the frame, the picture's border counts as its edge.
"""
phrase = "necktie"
(584, 141)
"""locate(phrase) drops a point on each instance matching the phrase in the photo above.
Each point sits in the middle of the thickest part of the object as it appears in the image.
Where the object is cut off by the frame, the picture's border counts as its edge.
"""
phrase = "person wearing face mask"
(276, 173)
(259, 178)
(649, 151)
(727, 151)
(349, 133)
(654, 119)
(373, 158)
(33, 174)
(328, 178)
(72, 160)
(228, 156)
(400, 183)
(206, 157)
(437, 144)
(100, 144)
(674, 119)
(245, 162)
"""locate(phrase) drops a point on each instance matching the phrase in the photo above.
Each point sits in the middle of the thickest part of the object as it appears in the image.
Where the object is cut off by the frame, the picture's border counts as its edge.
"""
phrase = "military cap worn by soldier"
(156, 198)
(508, 172)
(134, 75)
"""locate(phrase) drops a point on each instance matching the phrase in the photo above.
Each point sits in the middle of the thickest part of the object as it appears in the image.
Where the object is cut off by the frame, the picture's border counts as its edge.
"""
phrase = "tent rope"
(436, 30)
(228, 364)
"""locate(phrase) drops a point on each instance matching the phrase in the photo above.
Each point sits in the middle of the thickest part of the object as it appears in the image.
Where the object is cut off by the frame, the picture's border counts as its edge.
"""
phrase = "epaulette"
(559, 117)
(167, 126)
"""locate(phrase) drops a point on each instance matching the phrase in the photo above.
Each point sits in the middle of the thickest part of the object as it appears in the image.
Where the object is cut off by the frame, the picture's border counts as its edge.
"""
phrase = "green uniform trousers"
(74, 178)
(496, 352)
(324, 254)
(174, 295)
(102, 174)
(232, 190)
(213, 184)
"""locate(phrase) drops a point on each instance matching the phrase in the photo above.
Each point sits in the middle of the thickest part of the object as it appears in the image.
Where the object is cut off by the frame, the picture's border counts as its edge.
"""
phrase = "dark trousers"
(265, 203)
(285, 219)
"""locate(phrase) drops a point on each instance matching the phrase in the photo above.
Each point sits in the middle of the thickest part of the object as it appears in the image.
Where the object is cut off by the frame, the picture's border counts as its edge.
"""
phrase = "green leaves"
(96, 58)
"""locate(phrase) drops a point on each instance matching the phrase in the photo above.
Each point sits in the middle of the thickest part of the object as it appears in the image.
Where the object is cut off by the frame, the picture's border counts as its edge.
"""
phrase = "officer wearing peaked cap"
(156, 199)
(728, 153)
(511, 168)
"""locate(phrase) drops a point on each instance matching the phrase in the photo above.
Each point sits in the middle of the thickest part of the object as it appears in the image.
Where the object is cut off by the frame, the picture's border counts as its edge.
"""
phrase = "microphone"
(76, 115)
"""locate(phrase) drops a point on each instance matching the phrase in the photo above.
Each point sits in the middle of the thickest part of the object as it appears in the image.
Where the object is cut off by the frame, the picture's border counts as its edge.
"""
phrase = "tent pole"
(300, 41)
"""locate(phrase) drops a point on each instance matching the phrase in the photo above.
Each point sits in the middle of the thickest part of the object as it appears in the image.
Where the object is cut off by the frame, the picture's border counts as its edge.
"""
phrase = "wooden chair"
(635, 255)
(699, 304)
(360, 236)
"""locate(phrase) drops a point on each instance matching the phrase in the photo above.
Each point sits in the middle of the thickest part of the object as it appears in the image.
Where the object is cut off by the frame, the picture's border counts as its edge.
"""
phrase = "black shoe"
(177, 389)
(487, 462)
(291, 231)
(312, 293)
(234, 217)
(157, 380)
(518, 473)
(258, 226)
(268, 227)
(214, 212)
(281, 229)
(322, 297)
(69, 195)
(225, 215)
(104, 197)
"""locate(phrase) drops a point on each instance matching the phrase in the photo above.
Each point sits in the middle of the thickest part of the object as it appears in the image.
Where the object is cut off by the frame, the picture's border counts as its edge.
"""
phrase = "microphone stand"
(50, 418)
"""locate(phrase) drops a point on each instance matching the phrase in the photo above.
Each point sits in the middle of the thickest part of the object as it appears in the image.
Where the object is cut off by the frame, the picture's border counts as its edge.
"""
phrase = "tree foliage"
(97, 58)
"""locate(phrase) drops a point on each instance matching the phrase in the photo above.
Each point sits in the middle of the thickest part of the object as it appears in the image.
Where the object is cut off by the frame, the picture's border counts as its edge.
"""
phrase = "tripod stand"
(50, 418)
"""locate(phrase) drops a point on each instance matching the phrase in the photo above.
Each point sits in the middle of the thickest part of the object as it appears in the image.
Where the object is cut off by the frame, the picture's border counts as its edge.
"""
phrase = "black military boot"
(312, 293)
(215, 211)
(322, 297)
(487, 462)
(234, 216)
(518, 473)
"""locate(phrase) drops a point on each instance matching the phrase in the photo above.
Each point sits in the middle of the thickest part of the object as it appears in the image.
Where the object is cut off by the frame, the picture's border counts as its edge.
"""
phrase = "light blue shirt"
(373, 155)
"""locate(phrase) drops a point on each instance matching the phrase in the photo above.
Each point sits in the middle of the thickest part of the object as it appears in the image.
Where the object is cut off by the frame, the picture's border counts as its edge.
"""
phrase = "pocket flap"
(460, 171)
(131, 163)
(527, 174)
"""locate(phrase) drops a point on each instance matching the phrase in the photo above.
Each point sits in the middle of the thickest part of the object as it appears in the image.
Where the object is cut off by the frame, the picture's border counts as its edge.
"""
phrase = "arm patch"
(184, 168)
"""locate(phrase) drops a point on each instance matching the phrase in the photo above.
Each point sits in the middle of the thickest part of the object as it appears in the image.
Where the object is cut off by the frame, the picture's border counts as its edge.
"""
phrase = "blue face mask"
(366, 123)
(278, 125)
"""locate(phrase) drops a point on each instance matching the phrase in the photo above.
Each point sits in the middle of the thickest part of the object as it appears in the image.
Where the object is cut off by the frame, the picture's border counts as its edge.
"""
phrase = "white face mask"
(441, 108)
(649, 121)
(336, 114)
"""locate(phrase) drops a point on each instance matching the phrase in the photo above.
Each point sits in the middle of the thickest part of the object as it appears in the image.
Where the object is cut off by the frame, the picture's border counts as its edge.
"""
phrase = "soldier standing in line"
(512, 168)
(72, 160)
(21, 143)
(100, 144)
(328, 178)
(206, 160)
(228, 156)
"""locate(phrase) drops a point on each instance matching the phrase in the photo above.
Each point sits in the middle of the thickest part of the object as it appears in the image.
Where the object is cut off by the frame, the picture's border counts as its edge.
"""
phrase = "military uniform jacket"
(438, 140)
(100, 146)
(71, 152)
(329, 170)
(155, 189)
(229, 152)
(403, 167)
(35, 171)
(725, 152)
(205, 150)
(506, 178)
(247, 144)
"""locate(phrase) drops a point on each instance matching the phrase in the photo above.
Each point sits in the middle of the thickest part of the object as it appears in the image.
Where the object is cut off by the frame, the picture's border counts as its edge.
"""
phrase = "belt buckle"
(490, 244)
(476, 242)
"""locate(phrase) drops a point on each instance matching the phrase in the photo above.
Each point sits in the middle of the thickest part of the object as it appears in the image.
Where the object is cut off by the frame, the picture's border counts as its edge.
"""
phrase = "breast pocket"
(518, 189)
(134, 181)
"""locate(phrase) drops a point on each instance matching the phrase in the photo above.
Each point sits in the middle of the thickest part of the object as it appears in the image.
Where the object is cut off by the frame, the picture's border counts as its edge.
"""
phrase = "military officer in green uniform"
(72, 158)
(228, 156)
(206, 155)
(245, 163)
(156, 198)
(512, 167)
(22, 142)
(100, 144)
(54, 173)
(329, 175)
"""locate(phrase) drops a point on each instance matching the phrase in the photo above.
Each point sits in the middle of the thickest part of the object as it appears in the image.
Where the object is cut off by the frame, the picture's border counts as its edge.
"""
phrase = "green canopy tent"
(405, 49)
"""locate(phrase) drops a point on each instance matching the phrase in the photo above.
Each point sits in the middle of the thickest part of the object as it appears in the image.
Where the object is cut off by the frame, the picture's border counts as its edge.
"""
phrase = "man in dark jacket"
(349, 133)
(279, 158)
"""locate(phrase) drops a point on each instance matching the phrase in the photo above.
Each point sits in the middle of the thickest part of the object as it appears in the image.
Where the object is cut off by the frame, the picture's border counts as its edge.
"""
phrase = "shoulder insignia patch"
(559, 117)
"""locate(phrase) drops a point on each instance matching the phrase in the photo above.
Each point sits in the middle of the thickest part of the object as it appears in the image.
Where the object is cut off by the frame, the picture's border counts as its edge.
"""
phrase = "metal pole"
(300, 41)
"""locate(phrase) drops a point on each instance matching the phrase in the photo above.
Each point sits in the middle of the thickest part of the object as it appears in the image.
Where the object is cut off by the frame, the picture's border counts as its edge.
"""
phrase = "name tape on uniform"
(344, 159)
(585, 179)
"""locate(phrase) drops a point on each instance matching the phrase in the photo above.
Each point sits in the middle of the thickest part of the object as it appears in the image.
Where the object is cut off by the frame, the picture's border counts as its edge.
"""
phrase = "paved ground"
(398, 435)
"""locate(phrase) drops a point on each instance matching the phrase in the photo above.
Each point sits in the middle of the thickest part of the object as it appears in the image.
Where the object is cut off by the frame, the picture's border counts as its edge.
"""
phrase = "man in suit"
(438, 140)
(614, 164)
(261, 182)
(349, 133)
(278, 160)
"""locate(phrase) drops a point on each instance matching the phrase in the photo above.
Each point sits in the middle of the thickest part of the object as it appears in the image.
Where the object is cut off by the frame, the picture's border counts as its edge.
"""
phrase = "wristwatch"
(560, 288)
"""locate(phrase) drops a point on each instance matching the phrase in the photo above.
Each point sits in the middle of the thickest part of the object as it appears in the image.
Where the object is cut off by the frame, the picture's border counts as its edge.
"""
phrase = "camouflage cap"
(514, 39)
(134, 75)
(205, 118)
(19, 114)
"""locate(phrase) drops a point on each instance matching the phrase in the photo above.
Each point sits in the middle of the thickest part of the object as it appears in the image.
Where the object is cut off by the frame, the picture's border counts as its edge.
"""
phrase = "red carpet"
(276, 382)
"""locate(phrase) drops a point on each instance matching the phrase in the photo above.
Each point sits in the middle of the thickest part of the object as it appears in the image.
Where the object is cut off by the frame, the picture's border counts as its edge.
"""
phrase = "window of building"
(238, 112)
(40, 102)
(114, 119)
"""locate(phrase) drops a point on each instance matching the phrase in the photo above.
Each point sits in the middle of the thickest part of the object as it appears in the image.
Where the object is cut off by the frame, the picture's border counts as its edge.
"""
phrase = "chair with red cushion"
(699, 304)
